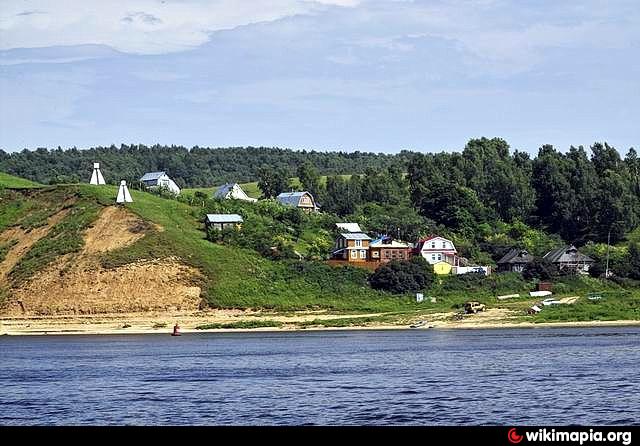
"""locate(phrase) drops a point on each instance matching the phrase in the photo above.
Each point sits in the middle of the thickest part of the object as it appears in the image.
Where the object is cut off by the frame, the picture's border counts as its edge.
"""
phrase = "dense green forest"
(195, 167)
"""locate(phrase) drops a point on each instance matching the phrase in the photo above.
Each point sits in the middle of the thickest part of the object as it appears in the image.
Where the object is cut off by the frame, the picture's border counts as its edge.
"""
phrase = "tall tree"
(272, 181)
(309, 178)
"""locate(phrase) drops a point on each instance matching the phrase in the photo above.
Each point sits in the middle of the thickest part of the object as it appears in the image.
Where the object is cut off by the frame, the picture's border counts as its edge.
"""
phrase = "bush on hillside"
(403, 276)
(539, 269)
(597, 270)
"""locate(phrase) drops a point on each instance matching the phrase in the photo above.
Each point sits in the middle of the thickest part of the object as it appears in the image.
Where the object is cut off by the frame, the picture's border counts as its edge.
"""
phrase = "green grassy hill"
(234, 277)
(10, 181)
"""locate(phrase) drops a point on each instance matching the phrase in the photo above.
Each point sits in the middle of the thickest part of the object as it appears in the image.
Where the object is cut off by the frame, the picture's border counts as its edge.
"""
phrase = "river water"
(546, 376)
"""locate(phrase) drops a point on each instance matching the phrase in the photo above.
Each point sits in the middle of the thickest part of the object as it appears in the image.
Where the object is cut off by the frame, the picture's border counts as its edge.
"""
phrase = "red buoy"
(176, 330)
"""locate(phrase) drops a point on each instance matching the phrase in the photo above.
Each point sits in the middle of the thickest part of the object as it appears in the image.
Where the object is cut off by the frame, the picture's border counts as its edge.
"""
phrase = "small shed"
(442, 268)
(223, 221)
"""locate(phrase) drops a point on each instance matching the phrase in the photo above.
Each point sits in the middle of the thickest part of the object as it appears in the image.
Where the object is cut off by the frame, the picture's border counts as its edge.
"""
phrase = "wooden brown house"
(352, 247)
(385, 249)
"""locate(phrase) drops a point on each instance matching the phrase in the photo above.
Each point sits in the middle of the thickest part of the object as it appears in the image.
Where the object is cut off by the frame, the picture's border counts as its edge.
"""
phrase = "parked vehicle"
(473, 307)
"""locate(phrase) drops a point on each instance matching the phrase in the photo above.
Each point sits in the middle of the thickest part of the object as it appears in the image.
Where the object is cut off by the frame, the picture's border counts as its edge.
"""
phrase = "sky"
(348, 75)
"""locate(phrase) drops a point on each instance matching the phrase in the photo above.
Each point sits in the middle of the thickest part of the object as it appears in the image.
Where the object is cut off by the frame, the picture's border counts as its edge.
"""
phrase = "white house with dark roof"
(232, 191)
(157, 180)
(223, 221)
(302, 200)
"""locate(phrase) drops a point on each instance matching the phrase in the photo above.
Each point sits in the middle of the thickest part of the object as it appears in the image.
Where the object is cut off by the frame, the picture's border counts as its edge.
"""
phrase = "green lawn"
(10, 181)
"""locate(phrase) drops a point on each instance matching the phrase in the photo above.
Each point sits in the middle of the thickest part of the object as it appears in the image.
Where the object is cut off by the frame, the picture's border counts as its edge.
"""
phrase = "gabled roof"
(567, 254)
(355, 236)
(431, 237)
(422, 242)
(224, 190)
(293, 198)
(349, 227)
(516, 255)
(224, 218)
(151, 176)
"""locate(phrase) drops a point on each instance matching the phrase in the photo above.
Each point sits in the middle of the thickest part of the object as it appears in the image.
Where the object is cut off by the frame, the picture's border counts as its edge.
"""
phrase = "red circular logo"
(513, 436)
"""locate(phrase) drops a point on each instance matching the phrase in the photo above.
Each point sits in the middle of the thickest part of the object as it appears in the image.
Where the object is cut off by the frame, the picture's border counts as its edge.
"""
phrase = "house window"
(444, 245)
(387, 254)
(363, 254)
(358, 243)
(433, 245)
(433, 256)
(439, 256)
(375, 254)
(354, 254)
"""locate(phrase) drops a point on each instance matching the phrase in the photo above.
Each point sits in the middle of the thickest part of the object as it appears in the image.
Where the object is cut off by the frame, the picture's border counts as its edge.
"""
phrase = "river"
(545, 376)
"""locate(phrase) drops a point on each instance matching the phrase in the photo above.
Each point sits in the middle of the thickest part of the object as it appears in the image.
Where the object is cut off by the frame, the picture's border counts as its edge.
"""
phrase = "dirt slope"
(115, 228)
(25, 240)
(78, 284)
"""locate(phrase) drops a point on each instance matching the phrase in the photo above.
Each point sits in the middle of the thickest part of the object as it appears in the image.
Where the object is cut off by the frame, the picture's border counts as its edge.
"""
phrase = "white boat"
(539, 293)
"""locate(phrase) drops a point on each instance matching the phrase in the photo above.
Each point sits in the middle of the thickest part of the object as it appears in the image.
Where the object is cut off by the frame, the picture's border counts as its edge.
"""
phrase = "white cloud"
(138, 26)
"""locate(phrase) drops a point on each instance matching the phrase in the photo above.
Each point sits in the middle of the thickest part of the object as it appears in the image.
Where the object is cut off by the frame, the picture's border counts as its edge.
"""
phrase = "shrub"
(403, 276)
(597, 270)
(539, 269)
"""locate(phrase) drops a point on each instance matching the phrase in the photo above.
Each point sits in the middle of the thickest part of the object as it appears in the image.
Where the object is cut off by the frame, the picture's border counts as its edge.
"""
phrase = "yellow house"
(442, 268)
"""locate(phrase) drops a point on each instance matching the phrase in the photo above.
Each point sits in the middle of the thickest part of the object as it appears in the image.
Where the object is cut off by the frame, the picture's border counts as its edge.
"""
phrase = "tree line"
(195, 167)
(581, 194)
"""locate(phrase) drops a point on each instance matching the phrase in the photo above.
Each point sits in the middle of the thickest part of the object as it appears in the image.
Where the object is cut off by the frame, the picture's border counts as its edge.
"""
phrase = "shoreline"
(94, 330)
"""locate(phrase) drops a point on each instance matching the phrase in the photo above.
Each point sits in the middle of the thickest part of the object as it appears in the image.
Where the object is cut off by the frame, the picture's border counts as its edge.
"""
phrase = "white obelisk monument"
(96, 176)
(123, 193)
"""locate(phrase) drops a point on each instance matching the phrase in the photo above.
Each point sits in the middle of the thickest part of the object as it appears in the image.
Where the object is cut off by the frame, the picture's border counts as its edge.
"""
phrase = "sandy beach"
(163, 322)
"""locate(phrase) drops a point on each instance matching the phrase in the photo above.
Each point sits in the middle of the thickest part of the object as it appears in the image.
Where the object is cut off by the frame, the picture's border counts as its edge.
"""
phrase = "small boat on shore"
(419, 324)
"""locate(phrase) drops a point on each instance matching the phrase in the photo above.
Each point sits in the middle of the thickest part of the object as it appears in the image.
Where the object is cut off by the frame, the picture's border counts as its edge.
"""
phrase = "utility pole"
(606, 271)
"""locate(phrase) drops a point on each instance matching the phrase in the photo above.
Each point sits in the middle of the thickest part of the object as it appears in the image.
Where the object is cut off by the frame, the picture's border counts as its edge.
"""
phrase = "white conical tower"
(96, 176)
(123, 193)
